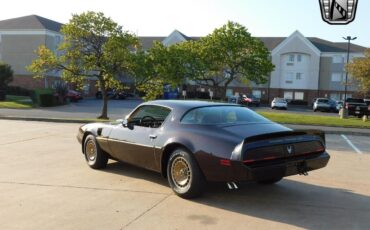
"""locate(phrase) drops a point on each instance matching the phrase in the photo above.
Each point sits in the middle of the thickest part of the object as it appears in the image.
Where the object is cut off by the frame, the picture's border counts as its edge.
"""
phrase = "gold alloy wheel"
(90, 150)
(180, 172)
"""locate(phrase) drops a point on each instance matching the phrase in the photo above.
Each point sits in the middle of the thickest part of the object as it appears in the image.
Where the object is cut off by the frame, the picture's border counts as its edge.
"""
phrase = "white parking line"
(351, 144)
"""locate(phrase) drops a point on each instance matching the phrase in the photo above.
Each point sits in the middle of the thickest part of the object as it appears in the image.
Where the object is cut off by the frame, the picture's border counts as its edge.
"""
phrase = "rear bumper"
(238, 171)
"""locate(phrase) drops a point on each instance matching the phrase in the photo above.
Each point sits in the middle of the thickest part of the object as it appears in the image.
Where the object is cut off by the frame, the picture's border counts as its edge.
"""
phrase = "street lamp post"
(349, 39)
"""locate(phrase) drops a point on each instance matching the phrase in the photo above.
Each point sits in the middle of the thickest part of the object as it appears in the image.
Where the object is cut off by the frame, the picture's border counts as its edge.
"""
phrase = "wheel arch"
(168, 149)
(87, 133)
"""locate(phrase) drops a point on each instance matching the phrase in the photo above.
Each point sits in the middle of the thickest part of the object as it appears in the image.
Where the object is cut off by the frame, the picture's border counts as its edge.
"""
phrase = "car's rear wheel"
(270, 181)
(95, 157)
(184, 174)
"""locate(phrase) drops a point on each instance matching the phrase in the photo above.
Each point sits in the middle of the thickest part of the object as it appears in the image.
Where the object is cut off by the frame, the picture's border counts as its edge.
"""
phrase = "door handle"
(152, 136)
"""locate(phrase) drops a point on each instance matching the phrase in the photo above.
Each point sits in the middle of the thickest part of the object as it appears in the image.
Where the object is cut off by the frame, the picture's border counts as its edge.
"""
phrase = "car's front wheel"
(184, 174)
(95, 157)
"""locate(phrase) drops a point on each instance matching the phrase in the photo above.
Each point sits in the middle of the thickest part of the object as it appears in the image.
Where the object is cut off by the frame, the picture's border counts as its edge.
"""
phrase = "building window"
(229, 92)
(288, 95)
(337, 59)
(299, 76)
(256, 93)
(298, 96)
(291, 58)
(299, 57)
(335, 96)
(336, 77)
(348, 96)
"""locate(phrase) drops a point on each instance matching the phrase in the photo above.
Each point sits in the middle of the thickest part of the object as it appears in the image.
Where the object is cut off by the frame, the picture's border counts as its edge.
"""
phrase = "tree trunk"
(224, 88)
(104, 111)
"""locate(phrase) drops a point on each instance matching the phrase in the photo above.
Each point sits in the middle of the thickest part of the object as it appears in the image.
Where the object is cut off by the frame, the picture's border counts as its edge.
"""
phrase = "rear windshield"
(323, 100)
(281, 100)
(222, 115)
(353, 100)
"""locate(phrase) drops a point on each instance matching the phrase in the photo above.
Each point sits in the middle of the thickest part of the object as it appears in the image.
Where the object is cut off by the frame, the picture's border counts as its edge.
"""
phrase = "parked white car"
(279, 103)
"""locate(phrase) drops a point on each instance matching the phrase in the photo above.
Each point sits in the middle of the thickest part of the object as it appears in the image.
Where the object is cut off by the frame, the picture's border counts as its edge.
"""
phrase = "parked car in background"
(367, 101)
(74, 96)
(357, 107)
(339, 105)
(250, 100)
(279, 103)
(112, 94)
(324, 104)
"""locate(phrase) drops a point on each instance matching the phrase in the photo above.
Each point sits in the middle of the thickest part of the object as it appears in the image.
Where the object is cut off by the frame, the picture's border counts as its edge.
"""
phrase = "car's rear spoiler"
(296, 132)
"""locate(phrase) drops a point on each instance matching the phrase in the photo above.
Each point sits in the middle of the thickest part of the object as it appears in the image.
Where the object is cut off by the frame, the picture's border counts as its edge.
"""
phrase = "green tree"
(94, 47)
(161, 65)
(231, 53)
(359, 69)
(6, 75)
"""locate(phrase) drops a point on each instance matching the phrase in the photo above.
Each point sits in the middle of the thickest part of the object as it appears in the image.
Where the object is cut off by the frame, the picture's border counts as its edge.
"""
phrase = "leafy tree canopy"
(359, 69)
(230, 53)
(94, 47)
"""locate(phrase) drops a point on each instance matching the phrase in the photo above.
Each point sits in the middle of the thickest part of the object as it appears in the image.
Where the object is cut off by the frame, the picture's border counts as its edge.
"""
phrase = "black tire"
(273, 107)
(270, 181)
(315, 110)
(192, 185)
(95, 157)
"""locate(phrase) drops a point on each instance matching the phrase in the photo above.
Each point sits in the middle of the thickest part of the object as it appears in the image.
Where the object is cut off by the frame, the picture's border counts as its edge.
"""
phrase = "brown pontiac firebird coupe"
(191, 142)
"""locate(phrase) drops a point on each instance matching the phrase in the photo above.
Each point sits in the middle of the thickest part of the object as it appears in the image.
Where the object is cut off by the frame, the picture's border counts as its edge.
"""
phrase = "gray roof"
(31, 22)
(35, 22)
(272, 42)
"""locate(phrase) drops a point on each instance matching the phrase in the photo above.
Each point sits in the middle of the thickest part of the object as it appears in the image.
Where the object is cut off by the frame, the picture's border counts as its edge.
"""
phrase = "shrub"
(46, 100)
(18, 91)
(6, 75)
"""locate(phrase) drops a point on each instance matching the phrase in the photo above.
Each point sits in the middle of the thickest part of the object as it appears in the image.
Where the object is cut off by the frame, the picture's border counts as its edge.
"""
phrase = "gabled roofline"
(296, 34)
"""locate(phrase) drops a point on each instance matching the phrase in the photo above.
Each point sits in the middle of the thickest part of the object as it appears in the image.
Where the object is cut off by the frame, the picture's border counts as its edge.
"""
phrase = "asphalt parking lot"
(46, 184)
(91, 108)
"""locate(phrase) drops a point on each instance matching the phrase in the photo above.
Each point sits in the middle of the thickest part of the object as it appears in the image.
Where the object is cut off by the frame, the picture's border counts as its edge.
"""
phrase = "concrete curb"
(327, 129)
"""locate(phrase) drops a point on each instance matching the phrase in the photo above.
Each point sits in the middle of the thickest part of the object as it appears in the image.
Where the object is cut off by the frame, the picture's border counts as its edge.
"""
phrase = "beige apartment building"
(305, 67)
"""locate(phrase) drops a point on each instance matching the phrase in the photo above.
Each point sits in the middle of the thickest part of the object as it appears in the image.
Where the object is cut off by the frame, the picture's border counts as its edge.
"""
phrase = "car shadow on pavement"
(128, 170)
(289, 201)
(295, 203)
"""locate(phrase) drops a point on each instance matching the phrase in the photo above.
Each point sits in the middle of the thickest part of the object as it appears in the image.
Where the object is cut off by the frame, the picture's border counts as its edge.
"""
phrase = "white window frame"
(335, 96)
(257, 93)
(336, 77)
(299, 96)
(299, 58)
(291, 57)
(288, 95)
(299, 76)
(338, 59)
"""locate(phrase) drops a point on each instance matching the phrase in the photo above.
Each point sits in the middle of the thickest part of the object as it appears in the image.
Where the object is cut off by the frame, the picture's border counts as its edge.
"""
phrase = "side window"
(149, 116)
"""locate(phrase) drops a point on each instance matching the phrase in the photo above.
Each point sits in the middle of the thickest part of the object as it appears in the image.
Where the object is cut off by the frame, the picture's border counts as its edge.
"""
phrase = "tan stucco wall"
(19, 50)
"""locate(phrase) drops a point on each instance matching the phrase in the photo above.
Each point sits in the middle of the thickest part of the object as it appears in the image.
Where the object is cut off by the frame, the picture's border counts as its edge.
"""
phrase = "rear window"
(323, 101)
(222, 115)
(353, 100)
(280, 100)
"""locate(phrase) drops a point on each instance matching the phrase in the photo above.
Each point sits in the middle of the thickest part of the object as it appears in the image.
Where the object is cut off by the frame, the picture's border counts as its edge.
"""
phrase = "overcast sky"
(199, 17)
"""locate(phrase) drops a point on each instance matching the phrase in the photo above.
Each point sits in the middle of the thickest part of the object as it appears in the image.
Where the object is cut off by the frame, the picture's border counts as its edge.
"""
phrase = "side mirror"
(127, 124)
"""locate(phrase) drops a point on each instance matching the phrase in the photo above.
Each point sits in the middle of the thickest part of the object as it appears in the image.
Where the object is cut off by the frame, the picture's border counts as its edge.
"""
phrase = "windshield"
(222, 115)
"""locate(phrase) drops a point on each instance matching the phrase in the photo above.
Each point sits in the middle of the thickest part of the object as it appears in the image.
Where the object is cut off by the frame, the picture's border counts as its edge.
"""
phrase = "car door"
(135, 143)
